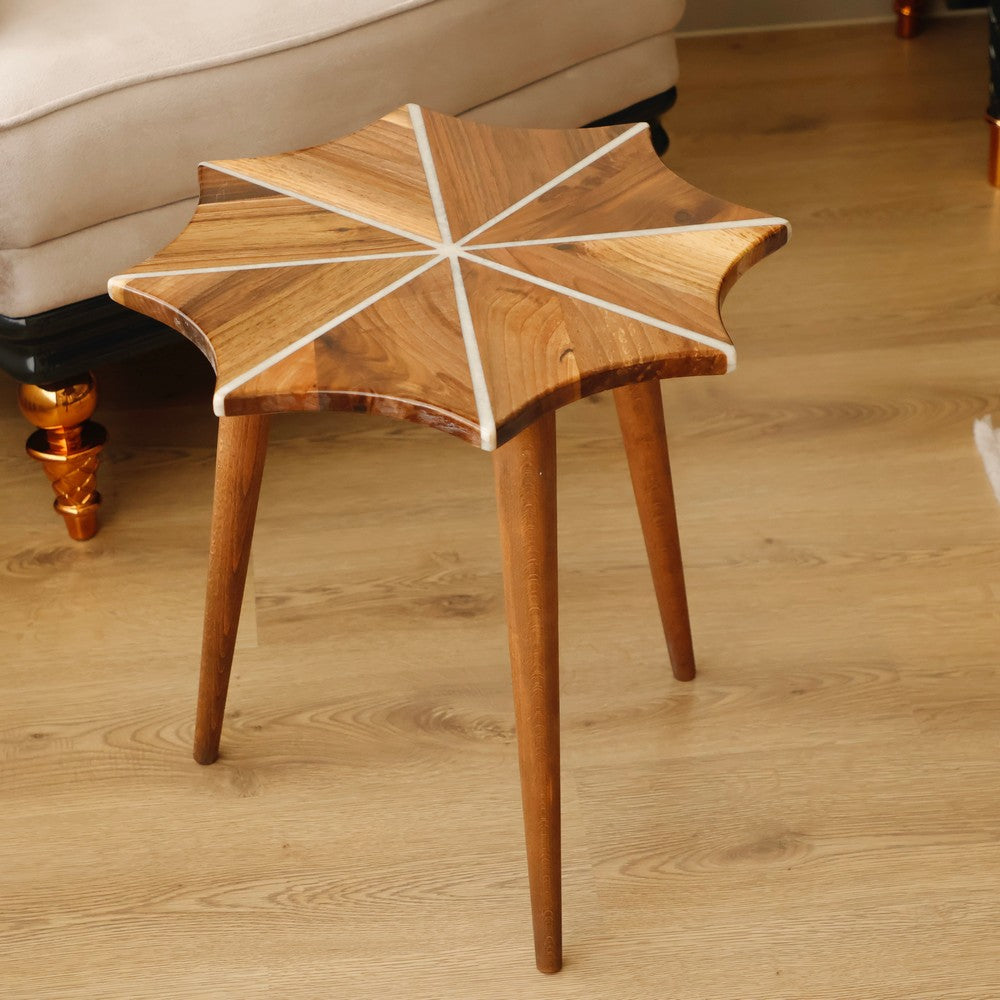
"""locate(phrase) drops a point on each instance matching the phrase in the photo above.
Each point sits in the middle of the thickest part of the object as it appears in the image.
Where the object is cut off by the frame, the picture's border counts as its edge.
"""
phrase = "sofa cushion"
(111, 104)
(62, 52)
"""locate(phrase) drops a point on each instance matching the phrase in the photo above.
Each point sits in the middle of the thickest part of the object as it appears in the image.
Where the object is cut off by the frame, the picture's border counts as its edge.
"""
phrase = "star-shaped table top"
(457, 274)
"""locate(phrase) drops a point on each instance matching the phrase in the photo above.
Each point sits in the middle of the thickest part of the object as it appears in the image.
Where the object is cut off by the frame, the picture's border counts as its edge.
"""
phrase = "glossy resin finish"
(456, 274)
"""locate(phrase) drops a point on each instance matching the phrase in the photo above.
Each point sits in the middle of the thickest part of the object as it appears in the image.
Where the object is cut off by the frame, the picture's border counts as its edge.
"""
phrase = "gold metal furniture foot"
(907, 19)
(994, 163)
(68, 445)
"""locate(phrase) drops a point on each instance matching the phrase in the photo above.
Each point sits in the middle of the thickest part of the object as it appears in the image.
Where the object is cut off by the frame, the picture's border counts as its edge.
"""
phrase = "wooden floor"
(816, 816)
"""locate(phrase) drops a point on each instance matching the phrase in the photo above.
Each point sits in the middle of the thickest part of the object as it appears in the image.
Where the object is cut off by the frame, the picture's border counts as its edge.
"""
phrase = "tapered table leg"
(525, 470)
(239, 465)
(640, 414)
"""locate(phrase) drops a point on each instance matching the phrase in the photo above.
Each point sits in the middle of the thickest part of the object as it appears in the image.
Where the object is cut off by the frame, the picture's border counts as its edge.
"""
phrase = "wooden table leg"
(239, 465)
(525, 471)
(640, 414)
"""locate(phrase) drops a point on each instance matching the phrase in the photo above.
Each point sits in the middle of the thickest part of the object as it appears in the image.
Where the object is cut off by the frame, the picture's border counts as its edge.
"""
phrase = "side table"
(473, 279)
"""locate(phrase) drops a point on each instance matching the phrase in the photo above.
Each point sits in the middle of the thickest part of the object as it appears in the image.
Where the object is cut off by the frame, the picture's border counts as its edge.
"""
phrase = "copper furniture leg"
(239, 465)
(68, 444)
(907, 18)
(525, 471)
(993, 109)
(640, 414)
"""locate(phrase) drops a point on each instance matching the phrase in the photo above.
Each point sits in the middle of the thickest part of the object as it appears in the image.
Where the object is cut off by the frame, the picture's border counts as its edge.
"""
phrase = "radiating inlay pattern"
(448, 272)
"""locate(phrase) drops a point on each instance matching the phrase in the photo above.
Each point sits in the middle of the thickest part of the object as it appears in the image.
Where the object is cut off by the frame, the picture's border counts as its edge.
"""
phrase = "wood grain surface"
(398, 221)
(376, 171)
(815, 818)
(242, 224)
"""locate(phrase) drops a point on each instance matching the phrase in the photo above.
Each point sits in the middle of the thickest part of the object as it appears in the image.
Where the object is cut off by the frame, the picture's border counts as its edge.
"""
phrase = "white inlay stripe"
(430, 170)
(627, 234)
(487, 422)
(700, 338)
(225, 269)
(298, 196)
(477, 378)
(218, 400)
(556, 181)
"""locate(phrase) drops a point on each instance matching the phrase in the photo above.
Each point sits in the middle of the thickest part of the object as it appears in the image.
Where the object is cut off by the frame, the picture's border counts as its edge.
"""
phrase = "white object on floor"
(987, 439)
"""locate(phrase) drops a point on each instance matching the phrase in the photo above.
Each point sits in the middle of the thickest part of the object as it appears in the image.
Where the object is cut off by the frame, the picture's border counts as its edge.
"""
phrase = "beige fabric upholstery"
(107, 107)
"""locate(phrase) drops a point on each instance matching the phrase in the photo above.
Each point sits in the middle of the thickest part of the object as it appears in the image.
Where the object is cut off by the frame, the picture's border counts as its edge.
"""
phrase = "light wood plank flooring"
(816, 817)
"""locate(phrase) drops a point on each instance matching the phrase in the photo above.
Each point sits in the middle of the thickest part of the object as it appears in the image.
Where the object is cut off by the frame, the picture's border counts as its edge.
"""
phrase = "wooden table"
(473, 279)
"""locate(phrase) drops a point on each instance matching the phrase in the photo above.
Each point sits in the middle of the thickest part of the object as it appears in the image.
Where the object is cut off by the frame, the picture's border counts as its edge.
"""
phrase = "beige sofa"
(107, 107)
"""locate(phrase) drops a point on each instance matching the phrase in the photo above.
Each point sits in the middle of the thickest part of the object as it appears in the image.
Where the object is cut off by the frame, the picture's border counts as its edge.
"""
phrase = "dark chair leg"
(908, 22)
(993, 109)
(650, 110)
(68, 444)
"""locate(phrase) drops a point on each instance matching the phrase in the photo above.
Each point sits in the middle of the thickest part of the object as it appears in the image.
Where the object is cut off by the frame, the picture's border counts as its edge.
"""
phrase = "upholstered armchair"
(106, 108)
